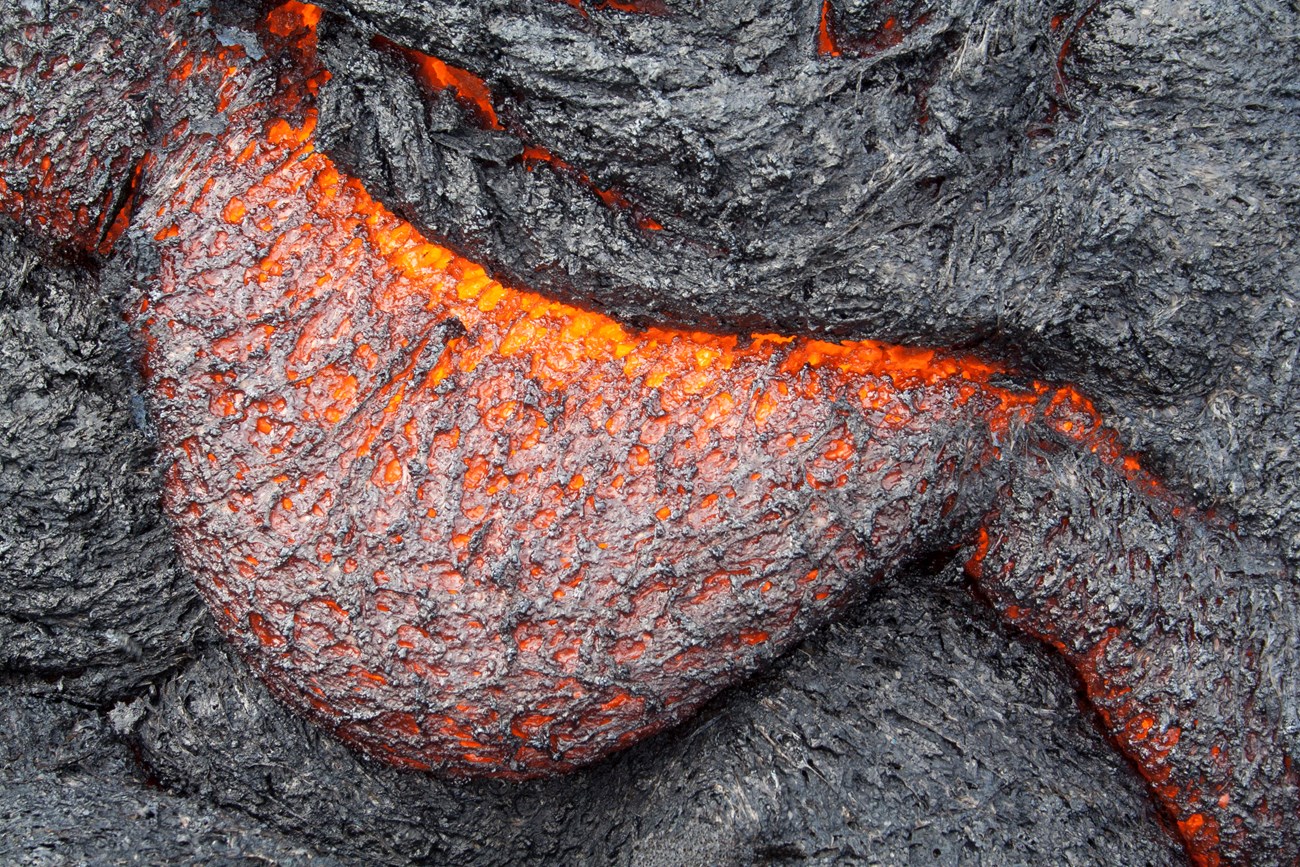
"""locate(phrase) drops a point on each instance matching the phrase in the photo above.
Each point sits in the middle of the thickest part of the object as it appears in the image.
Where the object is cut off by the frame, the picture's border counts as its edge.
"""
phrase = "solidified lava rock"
(71, 791)
(472, 529)
(1175, 584)
(92, 600)
(1180, 630)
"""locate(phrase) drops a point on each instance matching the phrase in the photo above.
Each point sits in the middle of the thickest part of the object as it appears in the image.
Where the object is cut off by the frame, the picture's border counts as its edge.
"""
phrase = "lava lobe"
(473, 529)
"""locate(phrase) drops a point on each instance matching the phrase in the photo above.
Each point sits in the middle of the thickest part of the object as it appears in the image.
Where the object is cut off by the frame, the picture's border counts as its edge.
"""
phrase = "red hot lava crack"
(470, 529)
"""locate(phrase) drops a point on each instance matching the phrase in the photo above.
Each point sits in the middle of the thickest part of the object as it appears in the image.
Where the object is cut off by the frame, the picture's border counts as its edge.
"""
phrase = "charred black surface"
(785, 182)
(71, 792)
(92, 601)
(1143, 248)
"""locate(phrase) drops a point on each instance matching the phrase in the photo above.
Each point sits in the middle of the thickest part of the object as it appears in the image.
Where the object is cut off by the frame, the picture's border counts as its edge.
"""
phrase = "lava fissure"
(473, 529)
(473, 94)
(881, 29)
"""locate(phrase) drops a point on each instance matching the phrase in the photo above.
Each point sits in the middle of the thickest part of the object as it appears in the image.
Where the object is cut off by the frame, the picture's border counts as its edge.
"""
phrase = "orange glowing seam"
(473, 92)
(293, 18)
(631, 7)
(1067, 45)
(891, 32)
(438, 76)
(1057, 102)
(123, 216)
(825, 38)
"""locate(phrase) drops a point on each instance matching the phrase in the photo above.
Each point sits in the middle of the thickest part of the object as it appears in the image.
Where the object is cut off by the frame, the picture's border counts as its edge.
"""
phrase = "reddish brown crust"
(477, 530)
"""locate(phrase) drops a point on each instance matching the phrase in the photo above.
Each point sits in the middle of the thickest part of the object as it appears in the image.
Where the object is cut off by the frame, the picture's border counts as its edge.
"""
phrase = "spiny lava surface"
(471, 529)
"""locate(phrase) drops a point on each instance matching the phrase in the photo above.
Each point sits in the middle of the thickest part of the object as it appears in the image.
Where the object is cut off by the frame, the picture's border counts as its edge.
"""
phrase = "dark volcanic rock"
(72, 793)
(92, 601)
(1130, 226)
(1198, 625)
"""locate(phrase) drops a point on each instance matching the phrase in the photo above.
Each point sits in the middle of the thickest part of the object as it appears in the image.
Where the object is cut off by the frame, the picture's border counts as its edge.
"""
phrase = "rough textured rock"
(915, 731)
(71, 792)
(1183, 633)
(1136, 239)
(92, 601)
(471, 530)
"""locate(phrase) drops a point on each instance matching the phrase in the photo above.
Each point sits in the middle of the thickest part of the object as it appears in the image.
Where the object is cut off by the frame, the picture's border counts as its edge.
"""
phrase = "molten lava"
(472, 529)
(473, 93)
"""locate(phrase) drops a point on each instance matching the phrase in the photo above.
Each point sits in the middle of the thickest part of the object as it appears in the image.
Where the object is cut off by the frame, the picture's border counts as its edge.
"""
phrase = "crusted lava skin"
(1162, 611)
(472, 529)
(66, 167)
